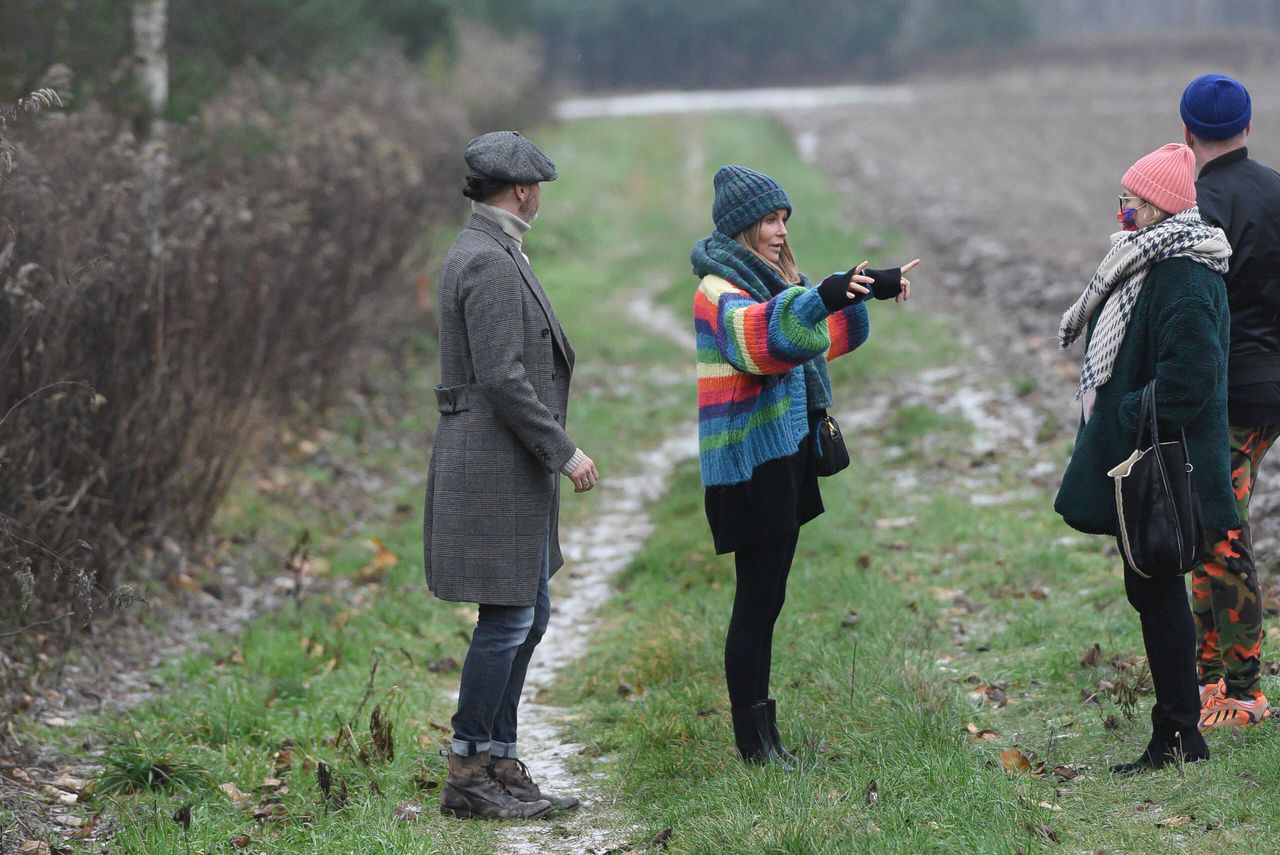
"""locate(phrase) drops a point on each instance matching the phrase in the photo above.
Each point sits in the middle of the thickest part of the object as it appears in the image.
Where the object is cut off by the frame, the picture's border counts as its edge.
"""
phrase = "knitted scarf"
(1123, 271)
(723, 256)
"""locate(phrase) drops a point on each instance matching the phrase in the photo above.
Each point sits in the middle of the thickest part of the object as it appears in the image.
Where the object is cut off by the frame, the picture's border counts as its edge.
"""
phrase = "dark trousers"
(1169, 635)
(762, 572)
(493, 674)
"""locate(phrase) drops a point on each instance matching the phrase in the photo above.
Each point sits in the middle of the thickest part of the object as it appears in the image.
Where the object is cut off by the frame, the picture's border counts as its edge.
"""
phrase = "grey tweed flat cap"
(509, 156)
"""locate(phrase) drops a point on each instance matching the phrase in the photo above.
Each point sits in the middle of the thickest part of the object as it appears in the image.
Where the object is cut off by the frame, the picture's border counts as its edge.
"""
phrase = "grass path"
(937, 592)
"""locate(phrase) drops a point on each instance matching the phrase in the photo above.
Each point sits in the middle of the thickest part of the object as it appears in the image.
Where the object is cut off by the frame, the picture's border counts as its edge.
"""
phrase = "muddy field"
(1006, 184)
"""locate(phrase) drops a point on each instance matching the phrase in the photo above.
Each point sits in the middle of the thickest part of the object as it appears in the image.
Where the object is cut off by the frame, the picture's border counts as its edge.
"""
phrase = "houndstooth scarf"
(1125, 267)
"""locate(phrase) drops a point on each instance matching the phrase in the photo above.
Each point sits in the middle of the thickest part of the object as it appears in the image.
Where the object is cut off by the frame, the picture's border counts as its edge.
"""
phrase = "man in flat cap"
(493, 489)
(1242, 197)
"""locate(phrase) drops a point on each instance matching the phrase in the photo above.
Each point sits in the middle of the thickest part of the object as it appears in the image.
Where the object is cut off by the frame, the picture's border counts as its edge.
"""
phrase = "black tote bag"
(1161, 525)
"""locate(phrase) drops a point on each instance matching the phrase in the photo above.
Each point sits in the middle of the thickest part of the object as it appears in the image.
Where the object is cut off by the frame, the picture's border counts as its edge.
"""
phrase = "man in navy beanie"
(1242, 197)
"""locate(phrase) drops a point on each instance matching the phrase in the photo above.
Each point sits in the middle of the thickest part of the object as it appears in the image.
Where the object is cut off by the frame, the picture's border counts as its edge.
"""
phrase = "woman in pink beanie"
(1155, 311)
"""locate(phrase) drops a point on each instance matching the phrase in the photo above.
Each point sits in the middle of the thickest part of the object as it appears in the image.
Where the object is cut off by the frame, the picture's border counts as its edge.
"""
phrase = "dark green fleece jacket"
(1179, 333)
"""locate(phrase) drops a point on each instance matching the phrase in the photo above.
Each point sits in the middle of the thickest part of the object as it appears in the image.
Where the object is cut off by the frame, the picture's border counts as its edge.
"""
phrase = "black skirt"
(781, 496)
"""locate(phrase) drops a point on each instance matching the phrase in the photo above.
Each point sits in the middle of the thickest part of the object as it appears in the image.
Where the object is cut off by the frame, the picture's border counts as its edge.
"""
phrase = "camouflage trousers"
(1225, 597)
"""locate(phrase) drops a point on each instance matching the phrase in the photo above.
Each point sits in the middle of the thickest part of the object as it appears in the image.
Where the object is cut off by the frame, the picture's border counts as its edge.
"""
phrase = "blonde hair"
(786, 265)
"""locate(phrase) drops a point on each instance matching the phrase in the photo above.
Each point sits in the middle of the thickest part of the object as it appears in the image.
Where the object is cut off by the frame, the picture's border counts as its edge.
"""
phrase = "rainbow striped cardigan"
(752, 402)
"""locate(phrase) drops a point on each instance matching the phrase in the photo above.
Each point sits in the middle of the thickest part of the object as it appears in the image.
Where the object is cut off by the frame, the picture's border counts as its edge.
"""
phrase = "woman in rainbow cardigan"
(764, 336)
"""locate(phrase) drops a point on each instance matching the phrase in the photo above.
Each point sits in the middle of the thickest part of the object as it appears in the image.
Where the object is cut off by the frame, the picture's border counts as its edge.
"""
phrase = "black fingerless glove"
(835, 291)
(888, 283)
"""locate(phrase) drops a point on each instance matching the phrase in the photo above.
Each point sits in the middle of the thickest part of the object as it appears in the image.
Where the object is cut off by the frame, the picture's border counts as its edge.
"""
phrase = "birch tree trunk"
(151, 69)
(150, 24)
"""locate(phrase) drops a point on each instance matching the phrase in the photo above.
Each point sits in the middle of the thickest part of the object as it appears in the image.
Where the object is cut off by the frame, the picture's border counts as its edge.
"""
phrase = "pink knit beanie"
(1166, 178)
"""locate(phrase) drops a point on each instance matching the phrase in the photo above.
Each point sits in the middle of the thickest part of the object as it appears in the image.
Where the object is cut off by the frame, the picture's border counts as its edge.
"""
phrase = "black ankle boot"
(1167, 746)
(774, 736)
(751, 733)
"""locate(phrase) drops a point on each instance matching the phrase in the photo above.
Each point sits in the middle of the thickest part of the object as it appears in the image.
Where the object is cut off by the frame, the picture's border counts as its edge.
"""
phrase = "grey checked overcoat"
(494, 479)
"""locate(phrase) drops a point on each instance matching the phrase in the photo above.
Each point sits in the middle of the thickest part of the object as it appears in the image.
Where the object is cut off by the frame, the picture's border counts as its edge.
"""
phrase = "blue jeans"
(493, 674)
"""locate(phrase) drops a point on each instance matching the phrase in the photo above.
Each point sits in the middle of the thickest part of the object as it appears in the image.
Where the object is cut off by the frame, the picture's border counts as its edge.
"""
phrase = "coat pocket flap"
(452, 399)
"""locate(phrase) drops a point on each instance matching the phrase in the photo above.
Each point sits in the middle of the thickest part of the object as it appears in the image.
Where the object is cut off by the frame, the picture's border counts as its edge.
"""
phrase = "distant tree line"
(207, 40)
(621, 44)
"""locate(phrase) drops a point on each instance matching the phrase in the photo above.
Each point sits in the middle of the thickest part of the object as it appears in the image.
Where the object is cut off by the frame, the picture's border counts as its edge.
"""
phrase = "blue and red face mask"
(1128, 219)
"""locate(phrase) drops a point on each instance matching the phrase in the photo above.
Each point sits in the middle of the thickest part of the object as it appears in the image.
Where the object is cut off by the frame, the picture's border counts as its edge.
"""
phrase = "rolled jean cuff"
(503, 749)
(464, 748)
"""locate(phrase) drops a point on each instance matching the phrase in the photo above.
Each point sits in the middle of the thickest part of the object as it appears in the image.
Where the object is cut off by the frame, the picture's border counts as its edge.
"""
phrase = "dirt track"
(1006, 184)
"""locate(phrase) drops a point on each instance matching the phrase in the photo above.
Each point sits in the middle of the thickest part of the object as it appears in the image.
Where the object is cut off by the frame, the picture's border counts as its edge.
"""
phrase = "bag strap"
(1147, 416)
(1149, 412)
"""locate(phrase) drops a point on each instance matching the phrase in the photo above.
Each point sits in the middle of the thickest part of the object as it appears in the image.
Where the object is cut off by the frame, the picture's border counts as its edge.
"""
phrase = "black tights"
(762, 572)
(1169, 635)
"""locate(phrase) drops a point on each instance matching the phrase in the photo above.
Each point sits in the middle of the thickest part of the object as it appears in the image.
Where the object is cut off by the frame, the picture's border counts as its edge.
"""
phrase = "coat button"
(546, 332)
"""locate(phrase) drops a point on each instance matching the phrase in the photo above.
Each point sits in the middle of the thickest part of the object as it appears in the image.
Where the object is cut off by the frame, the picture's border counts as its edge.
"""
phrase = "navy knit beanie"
(1215, 107)
(744, 196)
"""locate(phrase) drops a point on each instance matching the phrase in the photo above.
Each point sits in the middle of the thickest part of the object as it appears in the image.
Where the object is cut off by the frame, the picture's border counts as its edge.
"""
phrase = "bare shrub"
(499, 79)
(145, 336)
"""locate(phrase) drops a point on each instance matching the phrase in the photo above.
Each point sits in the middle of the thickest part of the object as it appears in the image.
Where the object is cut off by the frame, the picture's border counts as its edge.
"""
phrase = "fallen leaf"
(1014, 760)
(182, 816)
(444, 665)
(69, 783)
(983, 733)
(1042, 829)
(269, 810)
(1048, 806)
(1092, 656)
(1175, 821)
(233, 792)
(408, 811)
(851, 619)
(34, 847)
(1066, 773)
(383, 560)
(661, 838)
(271, 784)
(85, 831)
(1039, 592)
(241, 841)
(873, 793)
(885, 523)
(282, 760)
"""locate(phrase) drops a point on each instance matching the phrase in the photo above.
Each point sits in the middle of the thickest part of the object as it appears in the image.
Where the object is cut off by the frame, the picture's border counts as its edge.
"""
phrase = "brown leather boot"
(472, 792)
(515, 776)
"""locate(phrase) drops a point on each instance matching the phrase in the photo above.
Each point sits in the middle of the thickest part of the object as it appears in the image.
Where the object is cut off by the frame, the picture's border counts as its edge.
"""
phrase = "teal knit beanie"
(744, 196)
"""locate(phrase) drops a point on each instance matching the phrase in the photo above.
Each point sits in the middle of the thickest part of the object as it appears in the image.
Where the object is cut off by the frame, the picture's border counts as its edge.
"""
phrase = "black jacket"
(1242, 197)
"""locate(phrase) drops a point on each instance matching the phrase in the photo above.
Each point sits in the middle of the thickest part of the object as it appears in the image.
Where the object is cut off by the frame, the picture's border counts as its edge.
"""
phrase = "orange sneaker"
(1227, 711)
(1210, 692)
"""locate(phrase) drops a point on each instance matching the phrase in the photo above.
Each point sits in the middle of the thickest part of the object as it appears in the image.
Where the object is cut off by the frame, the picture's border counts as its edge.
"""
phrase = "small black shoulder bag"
(828, 446)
